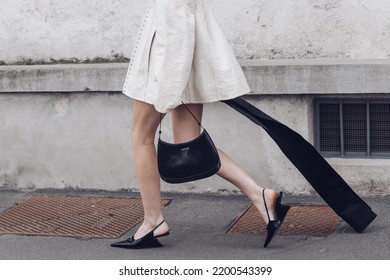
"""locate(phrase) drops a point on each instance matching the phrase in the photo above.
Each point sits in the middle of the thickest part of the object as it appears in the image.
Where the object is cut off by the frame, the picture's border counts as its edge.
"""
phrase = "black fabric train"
(317, 171)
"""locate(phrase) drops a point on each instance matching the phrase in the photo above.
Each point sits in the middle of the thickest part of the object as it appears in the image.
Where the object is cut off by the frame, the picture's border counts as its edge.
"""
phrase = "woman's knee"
(144, 125)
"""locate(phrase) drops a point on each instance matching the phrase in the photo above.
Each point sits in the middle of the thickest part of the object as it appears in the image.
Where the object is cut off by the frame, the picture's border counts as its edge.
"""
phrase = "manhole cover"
(82, 217)
(308, 220)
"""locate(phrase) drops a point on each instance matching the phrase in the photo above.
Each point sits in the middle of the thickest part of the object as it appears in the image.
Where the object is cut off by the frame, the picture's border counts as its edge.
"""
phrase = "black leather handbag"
(190, 161)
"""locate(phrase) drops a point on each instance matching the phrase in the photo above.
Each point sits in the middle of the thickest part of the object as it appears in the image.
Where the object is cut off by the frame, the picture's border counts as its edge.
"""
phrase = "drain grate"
(307, 220)
(73, 216)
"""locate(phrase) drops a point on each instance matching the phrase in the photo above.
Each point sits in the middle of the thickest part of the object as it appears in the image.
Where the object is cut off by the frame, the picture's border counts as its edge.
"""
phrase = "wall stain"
(114, 58)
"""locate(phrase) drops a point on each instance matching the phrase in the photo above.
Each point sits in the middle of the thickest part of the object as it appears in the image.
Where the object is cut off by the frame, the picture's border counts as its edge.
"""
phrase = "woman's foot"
(266, 200)
(269, 204)
(272, 212)
(148, 240)
(159, 229)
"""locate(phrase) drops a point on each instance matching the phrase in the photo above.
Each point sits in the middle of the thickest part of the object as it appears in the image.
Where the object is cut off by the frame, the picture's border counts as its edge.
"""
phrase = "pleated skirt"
(182, 55)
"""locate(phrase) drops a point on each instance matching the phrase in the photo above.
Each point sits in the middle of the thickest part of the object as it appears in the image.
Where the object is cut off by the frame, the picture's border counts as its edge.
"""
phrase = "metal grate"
(380, 128)
(353, 128)
(82, 217)
(330, 128)
(307, 220)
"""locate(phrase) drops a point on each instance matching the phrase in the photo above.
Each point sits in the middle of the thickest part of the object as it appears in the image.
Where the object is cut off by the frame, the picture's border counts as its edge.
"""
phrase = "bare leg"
(145, 122)
(233, 173)
(185, 128)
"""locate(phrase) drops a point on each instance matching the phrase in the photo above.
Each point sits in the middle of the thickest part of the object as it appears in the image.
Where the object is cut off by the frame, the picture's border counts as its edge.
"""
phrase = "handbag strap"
(200, 125)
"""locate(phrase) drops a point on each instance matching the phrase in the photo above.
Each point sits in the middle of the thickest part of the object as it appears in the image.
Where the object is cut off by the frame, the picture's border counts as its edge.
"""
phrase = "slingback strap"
(265, 204)
(163, 221)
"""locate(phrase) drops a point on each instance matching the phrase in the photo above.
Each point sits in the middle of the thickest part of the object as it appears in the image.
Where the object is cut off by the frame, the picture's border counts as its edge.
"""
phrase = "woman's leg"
(233, 173)
(185, 128)
(144, 125)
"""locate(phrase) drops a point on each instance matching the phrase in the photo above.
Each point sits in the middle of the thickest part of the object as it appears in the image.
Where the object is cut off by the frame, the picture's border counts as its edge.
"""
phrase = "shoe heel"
(146, 241)
(281, 209)
(162, 235)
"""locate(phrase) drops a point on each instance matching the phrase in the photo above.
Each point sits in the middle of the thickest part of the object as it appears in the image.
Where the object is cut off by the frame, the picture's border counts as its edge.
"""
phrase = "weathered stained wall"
(52, 139)
(269, 29)
(264, 29)
(42, 147)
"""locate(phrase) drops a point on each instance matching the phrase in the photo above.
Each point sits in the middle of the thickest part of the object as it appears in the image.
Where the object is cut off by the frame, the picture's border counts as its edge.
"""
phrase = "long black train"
(317, 171)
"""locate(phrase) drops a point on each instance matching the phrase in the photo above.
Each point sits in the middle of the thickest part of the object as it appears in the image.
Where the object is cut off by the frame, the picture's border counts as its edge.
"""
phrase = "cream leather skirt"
(182, 55)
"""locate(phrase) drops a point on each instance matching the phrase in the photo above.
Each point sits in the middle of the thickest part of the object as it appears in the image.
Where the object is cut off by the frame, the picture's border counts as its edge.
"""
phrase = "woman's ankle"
(159, 228)
(264, 202)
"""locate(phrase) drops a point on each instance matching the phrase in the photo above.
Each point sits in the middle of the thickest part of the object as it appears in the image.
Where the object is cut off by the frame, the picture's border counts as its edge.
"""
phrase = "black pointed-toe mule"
(274, 225)
(147, 241)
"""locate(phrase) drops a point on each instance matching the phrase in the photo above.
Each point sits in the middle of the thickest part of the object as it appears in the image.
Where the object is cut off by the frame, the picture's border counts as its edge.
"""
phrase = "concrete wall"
(68, 126)
(65, 140)
(46, 30)
(81, 140)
